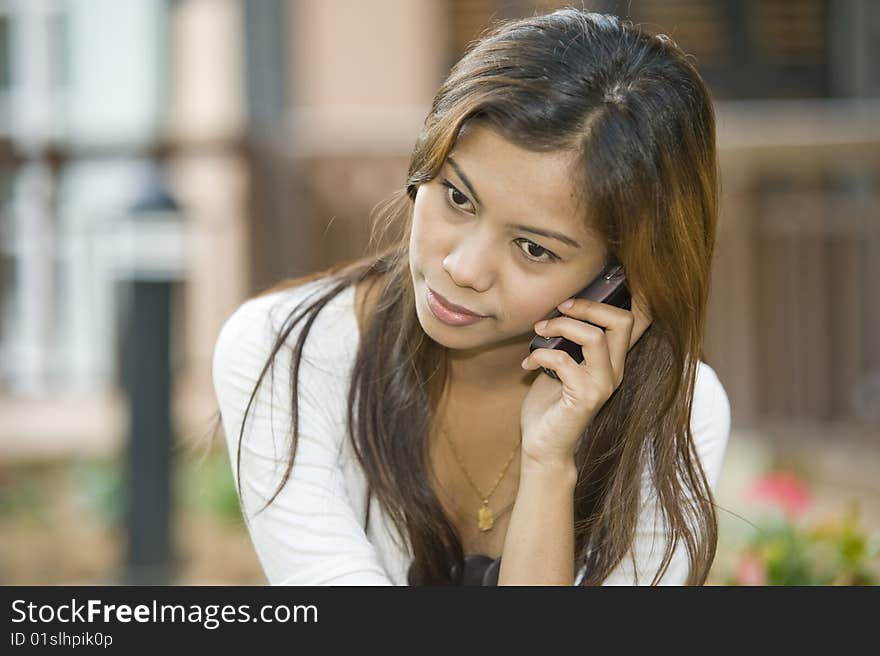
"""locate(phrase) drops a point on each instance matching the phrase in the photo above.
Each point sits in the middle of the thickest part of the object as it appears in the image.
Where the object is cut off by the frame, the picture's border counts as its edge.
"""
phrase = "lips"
(456, 308)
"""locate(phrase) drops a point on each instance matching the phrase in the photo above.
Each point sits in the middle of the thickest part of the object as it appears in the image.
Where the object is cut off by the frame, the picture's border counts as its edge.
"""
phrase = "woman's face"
(475, 240)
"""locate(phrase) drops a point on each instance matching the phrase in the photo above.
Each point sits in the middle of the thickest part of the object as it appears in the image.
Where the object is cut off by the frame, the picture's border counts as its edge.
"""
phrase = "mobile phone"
(607, 287)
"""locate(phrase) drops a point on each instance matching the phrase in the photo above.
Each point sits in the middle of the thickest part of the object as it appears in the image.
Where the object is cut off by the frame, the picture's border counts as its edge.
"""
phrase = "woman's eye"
(455, 196)
(529, 245)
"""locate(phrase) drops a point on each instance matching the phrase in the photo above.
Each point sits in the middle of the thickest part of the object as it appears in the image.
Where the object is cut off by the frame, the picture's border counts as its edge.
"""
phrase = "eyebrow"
(552, 234)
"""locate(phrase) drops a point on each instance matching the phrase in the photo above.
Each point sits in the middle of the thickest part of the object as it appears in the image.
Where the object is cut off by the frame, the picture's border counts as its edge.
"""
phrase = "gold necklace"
(485, 519)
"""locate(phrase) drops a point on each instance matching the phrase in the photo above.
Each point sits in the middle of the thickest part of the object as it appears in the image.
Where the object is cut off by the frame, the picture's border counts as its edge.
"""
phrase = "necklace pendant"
(484, 517)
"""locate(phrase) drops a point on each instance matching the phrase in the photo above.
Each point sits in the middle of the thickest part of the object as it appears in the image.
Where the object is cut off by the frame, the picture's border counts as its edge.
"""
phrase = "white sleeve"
(309, 534)
(710, 426)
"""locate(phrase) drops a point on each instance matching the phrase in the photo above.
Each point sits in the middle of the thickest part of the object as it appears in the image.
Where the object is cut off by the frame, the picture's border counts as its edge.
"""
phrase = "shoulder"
(710, 419)
(248, 335)
(366, 295)
(711, 404)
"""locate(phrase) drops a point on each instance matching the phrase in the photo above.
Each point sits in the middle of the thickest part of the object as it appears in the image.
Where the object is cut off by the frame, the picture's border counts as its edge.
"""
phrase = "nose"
(470, 263)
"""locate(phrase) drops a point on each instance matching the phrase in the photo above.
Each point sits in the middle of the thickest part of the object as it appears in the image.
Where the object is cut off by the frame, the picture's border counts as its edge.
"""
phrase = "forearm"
(539, 545)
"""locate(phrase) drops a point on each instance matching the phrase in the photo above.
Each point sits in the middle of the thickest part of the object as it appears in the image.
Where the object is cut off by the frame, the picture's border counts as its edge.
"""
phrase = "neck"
(494, 368)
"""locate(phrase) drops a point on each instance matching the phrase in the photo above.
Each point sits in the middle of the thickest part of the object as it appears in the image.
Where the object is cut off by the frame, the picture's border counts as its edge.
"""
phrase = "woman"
(417, 445)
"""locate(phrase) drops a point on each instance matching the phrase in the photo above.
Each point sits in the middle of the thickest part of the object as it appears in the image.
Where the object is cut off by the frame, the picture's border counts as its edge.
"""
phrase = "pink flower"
(750, 571)
(783, 490)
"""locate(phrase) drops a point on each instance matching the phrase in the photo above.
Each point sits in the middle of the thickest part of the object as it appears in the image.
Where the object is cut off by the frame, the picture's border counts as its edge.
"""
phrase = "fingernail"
(523, 363)
(567, 304)
(541, 325)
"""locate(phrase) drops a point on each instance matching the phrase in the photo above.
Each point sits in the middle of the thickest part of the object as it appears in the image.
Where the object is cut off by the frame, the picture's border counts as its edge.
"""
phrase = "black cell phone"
(608, 287)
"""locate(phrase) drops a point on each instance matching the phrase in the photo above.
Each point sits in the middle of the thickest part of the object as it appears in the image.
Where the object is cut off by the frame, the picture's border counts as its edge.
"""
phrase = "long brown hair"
(636, 111)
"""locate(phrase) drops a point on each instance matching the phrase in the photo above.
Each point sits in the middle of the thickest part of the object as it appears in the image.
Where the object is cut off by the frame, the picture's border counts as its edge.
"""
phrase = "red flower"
(783, 490)
(750, 571)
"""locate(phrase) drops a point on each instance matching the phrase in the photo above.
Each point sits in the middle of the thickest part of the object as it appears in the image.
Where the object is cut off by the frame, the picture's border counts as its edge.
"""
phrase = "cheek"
(528, 304)
(543, 299)
(540, 307)
(427, 235)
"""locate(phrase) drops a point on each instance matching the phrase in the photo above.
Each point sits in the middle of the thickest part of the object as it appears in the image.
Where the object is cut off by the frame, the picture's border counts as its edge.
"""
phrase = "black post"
(153, 266)
(148, 384)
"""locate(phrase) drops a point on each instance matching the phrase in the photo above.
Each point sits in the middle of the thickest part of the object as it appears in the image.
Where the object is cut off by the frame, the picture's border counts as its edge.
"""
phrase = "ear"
(642, 318)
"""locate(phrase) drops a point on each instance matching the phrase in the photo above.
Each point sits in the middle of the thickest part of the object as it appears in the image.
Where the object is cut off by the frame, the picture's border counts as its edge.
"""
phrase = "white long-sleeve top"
(313, 532)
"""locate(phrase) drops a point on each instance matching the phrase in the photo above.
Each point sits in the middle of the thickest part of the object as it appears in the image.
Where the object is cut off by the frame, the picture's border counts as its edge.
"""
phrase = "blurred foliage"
(206, 485)
(100, 484)
(22, 493)
(34, 491)
(98, 487)
(786, 550)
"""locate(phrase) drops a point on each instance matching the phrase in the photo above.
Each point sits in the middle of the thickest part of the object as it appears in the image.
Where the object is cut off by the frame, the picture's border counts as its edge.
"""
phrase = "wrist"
(558, 468)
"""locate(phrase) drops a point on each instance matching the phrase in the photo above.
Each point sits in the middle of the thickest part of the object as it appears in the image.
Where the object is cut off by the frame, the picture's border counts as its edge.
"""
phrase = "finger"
(574, 377)
(593, 342)
(591, 339)
(617, 323)
(570, 373)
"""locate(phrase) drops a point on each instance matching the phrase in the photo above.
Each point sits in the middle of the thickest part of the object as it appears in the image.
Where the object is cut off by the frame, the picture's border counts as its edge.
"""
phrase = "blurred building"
(280, 126)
